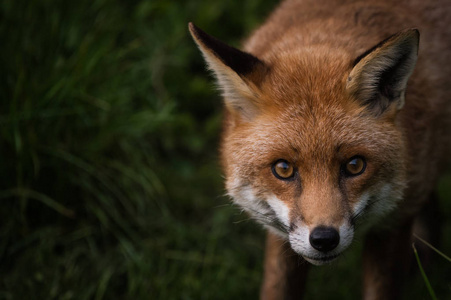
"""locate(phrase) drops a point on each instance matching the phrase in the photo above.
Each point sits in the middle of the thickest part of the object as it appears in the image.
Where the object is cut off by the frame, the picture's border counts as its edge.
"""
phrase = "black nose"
(324, 238)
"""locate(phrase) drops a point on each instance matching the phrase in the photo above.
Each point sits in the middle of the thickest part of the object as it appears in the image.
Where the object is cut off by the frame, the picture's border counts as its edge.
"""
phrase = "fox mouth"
(320, 260)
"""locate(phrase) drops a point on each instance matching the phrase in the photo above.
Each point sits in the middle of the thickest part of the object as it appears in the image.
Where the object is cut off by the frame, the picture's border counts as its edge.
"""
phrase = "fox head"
(312, 143)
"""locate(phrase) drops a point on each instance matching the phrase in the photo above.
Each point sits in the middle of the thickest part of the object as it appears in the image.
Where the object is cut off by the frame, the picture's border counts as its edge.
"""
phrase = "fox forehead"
(315, 76)
(302, 95)
(301, 131)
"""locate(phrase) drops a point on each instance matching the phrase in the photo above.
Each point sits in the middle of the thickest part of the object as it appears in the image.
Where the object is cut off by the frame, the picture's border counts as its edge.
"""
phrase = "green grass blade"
(22, 192)
(433, 248)
(425, 278)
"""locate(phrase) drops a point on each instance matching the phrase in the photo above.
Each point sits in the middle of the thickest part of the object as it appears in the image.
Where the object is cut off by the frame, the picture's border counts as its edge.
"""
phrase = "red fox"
(337, 117)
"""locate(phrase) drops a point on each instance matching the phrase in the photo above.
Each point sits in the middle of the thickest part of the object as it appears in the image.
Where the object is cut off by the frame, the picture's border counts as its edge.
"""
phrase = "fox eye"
(355, 166)
(283, 169)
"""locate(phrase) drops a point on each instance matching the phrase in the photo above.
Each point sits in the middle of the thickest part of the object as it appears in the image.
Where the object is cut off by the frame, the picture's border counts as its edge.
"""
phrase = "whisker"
(267, 218)
(357, 216)
(223, 205)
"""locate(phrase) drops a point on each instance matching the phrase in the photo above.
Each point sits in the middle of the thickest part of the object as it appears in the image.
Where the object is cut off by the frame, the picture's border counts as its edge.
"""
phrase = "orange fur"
(312, 89)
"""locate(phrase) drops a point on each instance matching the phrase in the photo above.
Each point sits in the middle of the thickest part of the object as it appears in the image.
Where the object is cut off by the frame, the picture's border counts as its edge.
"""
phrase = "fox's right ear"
(238, 73)
(379, 77)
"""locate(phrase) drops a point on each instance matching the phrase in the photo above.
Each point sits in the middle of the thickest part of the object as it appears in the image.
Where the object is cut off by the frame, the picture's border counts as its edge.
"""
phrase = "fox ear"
(379, 77)
(237, 72)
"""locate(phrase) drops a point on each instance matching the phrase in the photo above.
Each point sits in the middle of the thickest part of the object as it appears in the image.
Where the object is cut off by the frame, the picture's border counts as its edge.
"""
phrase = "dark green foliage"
(109, 181)
(110, 185)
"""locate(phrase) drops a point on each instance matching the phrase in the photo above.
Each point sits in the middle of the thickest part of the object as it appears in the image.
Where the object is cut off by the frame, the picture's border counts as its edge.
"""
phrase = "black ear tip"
(197, 33)
(192, 28)
(409, 37)
(412, 33)
(415, 32)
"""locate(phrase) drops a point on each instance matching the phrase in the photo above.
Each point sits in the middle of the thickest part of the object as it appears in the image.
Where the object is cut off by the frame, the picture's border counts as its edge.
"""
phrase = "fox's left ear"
(379, 78)
(238, 73)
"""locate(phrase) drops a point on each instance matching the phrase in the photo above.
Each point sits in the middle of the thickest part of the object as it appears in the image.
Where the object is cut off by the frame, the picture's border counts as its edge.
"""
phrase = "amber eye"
(355, 166)
(283, 169)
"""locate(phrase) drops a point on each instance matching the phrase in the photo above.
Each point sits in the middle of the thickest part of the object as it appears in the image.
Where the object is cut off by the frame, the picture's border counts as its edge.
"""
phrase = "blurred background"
(109, 180)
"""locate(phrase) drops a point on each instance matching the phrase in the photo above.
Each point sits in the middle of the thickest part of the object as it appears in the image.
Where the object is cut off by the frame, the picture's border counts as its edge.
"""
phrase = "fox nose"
(324, 238)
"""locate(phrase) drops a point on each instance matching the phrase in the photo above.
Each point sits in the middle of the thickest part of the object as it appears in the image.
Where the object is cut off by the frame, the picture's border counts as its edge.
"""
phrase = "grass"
(110, 186)
(423, 274)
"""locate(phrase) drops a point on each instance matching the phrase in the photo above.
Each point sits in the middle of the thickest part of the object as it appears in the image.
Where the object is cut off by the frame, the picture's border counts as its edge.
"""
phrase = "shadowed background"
(109, 182)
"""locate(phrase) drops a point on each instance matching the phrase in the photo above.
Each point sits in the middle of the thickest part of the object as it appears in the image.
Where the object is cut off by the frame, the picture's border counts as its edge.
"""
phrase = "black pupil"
(354, 165)
(284, 166)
